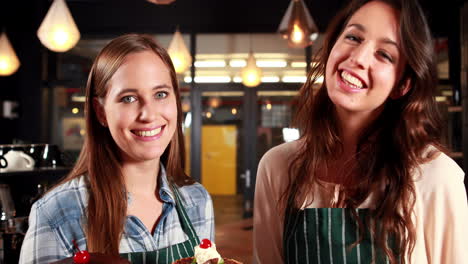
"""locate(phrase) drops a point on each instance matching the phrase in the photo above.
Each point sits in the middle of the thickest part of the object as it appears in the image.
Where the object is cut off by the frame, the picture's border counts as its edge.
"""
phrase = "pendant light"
(58, 31)
(251, 73)
(161, 2)
(9, 63)
(179, 53)
(297, 25)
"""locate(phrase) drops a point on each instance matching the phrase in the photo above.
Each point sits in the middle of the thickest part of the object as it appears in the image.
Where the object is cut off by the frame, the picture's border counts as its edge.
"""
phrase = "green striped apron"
(174, 252)
(323, 236)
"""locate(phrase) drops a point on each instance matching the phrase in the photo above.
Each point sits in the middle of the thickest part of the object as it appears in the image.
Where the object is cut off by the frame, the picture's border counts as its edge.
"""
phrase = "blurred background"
(240, 65)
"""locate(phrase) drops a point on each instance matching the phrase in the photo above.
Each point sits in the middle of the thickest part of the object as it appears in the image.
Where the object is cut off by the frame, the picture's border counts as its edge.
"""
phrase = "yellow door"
(219, 159)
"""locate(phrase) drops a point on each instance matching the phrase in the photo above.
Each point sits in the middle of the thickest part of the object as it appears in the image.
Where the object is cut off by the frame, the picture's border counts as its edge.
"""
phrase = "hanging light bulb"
(251, 73)
(297, 35)
(179, 53)
(9, 63)
(297, 25)
(161, 2)
(58, 31)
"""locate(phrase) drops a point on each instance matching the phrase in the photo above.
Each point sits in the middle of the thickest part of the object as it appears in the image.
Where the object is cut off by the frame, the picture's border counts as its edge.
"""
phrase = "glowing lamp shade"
(179, 53)
(251, 73)
(58, 31)
(9, 63)
(297, 25)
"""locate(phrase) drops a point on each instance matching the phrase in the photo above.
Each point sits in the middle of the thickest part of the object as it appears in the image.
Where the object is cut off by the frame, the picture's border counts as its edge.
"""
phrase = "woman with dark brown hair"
(368, 181)
(128, 192)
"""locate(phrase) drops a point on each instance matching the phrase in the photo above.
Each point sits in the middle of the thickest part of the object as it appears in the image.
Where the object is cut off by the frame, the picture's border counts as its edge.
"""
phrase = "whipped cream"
(202, 255)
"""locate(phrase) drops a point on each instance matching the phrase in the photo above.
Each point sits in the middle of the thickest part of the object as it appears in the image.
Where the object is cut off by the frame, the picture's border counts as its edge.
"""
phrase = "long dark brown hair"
(99, 158)
(389, 150)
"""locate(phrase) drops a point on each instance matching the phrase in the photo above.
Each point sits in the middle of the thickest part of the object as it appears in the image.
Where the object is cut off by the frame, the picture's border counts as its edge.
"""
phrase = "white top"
(440, 211)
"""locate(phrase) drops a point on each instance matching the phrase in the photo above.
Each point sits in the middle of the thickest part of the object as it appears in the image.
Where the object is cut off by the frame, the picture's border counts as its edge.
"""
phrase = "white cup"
(17, 161)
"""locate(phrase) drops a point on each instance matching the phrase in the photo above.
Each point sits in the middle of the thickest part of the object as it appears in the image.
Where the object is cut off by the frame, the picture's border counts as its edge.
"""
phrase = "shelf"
(38, 172)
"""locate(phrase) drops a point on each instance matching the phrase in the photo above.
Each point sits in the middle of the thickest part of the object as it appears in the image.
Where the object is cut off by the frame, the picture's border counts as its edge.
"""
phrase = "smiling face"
(140, 107)
(365, 63)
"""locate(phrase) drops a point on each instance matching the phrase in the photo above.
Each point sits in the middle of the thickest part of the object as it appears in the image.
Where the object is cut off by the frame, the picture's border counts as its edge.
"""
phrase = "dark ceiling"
(98, 17)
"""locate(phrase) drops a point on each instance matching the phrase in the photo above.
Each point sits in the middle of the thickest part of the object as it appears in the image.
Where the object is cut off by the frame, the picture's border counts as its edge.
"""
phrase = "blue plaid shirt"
(59, 217)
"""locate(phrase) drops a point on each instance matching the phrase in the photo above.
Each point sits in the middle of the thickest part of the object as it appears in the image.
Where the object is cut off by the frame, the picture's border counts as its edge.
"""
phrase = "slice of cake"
(206, 253)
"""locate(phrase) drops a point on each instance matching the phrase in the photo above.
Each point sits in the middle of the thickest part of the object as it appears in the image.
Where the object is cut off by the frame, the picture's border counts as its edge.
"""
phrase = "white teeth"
(353, 81)
(148, 133)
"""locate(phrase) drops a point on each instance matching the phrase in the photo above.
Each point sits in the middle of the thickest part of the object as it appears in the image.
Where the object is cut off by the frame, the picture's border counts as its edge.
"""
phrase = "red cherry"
(205, 243)
(81, 257)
